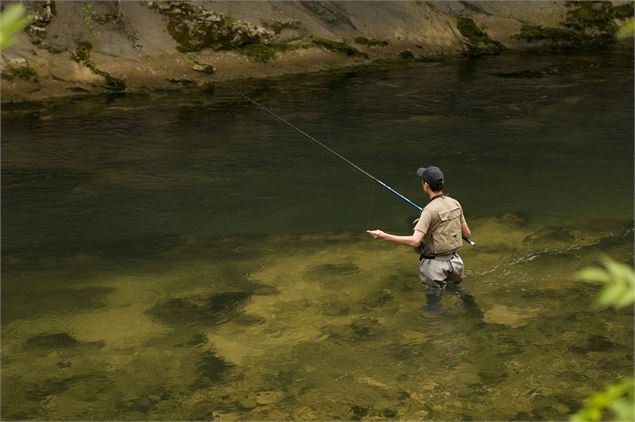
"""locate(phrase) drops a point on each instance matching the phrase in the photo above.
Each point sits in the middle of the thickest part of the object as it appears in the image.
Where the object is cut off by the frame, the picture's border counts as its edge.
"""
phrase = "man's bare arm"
(465, 230)
(413, 240)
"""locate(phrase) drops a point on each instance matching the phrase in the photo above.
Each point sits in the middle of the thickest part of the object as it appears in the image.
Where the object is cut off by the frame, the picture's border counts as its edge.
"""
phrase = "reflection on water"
(191, 259)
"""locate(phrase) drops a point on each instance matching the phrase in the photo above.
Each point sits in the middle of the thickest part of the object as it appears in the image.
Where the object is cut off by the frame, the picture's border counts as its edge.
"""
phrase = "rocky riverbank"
(80, 48)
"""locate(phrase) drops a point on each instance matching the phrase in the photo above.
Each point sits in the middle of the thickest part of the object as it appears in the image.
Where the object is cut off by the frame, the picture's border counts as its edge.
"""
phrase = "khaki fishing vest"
(441, 222)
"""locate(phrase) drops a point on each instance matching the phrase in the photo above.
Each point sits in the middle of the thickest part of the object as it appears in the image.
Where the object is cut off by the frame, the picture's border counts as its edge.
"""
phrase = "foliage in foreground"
(12, 20)
(617, 401)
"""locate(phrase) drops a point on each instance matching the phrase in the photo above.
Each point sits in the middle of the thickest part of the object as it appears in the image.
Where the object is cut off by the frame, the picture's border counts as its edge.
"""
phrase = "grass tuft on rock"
(25, 72)
(370, 41)
(479, 43)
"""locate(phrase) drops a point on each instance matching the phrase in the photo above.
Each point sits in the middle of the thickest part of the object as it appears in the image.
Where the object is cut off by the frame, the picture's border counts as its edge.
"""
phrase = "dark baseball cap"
(431, 174)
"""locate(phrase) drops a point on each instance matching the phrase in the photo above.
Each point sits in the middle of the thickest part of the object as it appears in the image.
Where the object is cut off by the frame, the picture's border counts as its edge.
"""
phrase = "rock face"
(73, 48)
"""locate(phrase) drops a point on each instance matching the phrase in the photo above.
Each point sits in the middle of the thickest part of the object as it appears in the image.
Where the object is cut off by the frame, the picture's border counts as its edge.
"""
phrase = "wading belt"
(441, 257)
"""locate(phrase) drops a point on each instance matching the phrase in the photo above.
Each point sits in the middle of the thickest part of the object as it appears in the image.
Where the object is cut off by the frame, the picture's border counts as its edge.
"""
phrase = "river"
(185, 256)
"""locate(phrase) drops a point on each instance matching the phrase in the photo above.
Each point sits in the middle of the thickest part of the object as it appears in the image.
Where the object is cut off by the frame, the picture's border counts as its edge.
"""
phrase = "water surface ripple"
(183, 257)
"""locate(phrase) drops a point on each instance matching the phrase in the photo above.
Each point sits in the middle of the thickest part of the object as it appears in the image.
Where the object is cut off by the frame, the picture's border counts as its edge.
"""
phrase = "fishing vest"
(443, 235)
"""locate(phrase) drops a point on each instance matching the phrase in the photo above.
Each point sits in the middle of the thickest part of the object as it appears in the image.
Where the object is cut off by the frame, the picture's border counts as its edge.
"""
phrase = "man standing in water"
(437, 236)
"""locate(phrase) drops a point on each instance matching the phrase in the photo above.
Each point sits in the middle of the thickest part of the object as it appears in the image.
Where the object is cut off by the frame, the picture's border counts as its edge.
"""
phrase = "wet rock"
(209, 310)
(204, 68)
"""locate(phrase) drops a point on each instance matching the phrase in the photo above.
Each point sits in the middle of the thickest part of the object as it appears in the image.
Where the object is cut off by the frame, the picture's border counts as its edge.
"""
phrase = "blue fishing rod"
(341, 157)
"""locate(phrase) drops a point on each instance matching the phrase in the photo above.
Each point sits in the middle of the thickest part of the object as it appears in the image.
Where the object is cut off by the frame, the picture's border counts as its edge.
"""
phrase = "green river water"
(170, 256)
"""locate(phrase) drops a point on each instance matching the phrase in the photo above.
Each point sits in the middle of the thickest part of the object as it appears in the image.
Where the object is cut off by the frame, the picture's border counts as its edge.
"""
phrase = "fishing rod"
(340, 156)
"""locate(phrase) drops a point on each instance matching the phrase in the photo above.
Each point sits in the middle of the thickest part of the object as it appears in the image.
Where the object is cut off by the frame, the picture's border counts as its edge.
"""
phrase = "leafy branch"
(617, 400)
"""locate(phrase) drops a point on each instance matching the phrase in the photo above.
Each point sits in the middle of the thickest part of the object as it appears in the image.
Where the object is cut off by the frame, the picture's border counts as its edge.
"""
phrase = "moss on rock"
(338, 46)
(549, 33)
(479, 43)
(586, 23)
(259, 53)
(279, 25)
(194, 27)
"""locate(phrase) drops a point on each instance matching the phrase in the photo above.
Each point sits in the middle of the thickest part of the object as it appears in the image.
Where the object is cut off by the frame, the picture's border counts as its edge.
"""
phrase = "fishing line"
(340, 156)
(335, 153)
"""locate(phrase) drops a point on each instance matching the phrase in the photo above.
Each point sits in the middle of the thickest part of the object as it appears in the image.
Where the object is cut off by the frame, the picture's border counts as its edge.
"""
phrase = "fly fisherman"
(436, 238)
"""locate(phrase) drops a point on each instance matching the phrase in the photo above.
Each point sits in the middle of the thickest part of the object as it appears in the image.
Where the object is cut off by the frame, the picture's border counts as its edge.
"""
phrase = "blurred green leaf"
(619, 281)
(628, 30)
(616, 402)
(12, 20)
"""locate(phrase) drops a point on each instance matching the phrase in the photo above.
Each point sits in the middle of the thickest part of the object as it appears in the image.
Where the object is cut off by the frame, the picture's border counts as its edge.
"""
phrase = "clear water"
(183, 257)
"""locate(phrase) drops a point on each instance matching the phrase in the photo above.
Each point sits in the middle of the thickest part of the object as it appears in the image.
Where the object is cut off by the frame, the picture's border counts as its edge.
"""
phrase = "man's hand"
(377, 234)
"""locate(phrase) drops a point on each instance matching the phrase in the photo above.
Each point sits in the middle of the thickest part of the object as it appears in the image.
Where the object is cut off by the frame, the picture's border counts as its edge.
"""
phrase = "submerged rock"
(209, 310)
(595, 343)
(210, 369)
(334, 309)
(358, 330)
(329, 270)
(51, 341)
